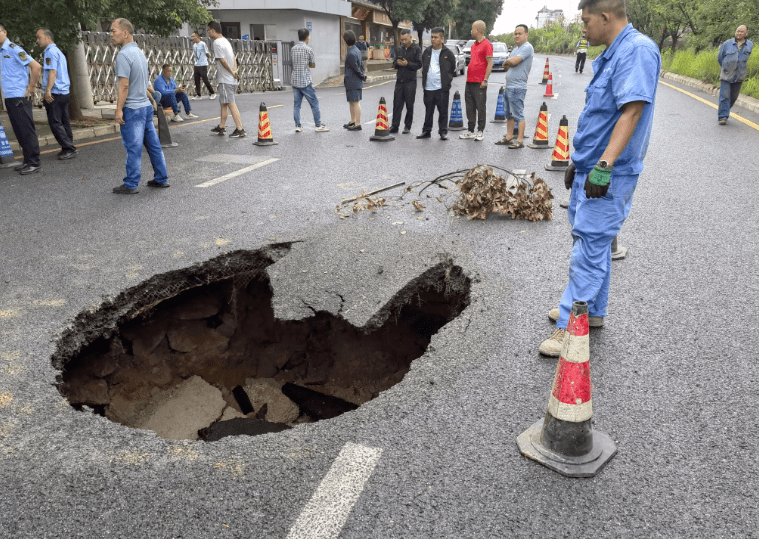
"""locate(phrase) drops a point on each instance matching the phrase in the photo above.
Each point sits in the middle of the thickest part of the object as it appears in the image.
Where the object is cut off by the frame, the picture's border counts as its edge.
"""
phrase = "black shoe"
(67, 155)
(20, 167)
(357, 128)
(393, 130)
(425, 134)
(124, 190)
(60, 153)
(443, 136)
(406, 130)
(153, 183)
(238, 133)
(221, 131)
(30, 169)
(348, 126)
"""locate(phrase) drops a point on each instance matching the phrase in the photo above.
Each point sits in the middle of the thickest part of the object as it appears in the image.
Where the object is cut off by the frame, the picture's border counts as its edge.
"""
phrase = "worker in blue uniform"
(612, 137)
(19, 74)
(55, 86)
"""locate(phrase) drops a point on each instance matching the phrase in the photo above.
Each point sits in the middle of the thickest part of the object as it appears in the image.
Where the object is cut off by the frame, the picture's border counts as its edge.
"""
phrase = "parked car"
(458, 51)
(451, 42)
(500, 55)
(468, 51)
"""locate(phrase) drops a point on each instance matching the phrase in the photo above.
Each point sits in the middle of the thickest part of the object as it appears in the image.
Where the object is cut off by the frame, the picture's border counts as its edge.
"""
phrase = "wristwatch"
(484, 80)
(605, 165)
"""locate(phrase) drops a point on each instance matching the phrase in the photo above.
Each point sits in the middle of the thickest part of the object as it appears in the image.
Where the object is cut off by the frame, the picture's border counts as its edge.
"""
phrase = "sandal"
(516, 145)
(505, 142)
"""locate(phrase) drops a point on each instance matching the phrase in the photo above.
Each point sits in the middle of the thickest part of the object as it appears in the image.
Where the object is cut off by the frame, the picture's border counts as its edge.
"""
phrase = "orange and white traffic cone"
(382, 129)
(560, 157)
(540, 139)
(546, 72)
(265, 137)
(549, 88)
(564, 440)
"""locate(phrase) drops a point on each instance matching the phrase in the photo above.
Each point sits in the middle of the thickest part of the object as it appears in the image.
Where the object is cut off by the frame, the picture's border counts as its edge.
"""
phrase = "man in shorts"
(226, 81)
(517, 70)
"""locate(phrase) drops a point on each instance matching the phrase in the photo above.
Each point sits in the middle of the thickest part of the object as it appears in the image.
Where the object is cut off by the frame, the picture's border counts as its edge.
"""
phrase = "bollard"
(164, 135)
(500, 108)
(6, 154)
(456, 121)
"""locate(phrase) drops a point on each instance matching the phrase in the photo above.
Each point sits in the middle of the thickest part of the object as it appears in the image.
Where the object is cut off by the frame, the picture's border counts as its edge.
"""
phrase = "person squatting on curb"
(171, 94)
(610, 144)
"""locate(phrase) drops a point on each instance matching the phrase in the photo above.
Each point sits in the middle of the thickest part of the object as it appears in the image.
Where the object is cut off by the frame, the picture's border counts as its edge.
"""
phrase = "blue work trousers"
(595, 222)
(20, 114)
(60, 124)
(137, 130)
(170, 100)
(310, 94)
(728, 95)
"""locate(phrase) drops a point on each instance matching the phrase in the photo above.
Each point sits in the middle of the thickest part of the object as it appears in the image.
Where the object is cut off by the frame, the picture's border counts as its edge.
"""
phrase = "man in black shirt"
(408, 60)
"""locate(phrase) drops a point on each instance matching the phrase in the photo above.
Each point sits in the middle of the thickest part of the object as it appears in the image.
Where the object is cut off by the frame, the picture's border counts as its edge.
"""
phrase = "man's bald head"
(478, 30)
(615, 7)
(480, 25)
(741, 33)
(124, 25)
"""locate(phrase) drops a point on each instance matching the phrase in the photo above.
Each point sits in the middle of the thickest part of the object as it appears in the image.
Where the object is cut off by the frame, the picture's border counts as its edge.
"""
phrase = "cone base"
(619, 254)
(560, 165)
(498, 121)
(589, 465)
(265, 143)
(538, 146)
(456, 128)
(545, 81)
(546, 95)
(169, 144)
(382, 138)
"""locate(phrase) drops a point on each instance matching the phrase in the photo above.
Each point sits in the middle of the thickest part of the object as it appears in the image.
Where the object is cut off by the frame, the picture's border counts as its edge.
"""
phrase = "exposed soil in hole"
(215, 353)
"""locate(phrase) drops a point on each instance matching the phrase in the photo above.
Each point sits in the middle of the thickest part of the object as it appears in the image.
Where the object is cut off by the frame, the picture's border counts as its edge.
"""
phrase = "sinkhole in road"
(199, 354)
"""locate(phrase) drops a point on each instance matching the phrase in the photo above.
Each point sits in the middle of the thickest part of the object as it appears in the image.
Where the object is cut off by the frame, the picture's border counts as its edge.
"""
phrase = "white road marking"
(325, 514)
(240, 172)
(389, 117)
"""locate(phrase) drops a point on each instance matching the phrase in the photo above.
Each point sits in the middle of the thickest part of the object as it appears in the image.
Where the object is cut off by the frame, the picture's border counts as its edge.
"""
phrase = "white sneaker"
(196, 97)
(298, 129)
(213, 96)
(191, 116)
(479, 136)
(177, 118)
(321, 128)
(467, 134)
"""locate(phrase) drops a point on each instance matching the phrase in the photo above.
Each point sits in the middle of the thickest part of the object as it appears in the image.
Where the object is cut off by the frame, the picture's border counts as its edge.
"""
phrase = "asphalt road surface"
(675, 379)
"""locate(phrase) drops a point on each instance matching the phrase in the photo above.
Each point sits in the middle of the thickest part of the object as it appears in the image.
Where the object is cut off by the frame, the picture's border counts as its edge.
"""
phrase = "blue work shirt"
(14, 70)
(165, 87)
(627, 71)
(131, 64)
(516, 77)
(200, 49)
(54, 59)
(734, 60)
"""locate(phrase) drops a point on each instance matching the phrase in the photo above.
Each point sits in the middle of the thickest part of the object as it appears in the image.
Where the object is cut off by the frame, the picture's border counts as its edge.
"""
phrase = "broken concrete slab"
(268, 391)
(230, 413)
(192, 405)
(235, 427)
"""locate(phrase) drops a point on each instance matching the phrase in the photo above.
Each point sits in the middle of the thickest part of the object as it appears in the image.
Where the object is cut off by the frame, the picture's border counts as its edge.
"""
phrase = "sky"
(524, 12)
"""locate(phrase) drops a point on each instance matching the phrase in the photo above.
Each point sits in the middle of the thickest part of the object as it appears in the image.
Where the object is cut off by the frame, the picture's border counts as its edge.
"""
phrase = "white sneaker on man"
(191, 116)
(479, 136)
(321, 128)
(298, 129)
(196, 97)
(213, 96)
(468, 134)
(177, 118)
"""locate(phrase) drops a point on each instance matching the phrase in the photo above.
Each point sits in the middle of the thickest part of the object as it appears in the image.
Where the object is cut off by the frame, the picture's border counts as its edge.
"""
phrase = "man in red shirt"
(477, 81)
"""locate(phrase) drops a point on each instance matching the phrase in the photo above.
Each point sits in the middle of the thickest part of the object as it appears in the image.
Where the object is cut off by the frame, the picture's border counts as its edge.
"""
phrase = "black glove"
(569, 175)
(597, 182)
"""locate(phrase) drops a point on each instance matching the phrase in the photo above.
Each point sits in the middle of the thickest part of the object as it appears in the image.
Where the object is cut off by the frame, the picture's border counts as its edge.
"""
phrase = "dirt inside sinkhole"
(215, 353)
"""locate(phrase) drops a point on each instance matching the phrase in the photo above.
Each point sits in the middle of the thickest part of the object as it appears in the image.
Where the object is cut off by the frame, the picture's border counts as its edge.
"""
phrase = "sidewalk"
(744, 101)
(333, 82)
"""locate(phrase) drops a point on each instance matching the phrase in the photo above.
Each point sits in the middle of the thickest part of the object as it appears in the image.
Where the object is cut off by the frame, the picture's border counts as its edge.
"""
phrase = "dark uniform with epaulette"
(14, 63)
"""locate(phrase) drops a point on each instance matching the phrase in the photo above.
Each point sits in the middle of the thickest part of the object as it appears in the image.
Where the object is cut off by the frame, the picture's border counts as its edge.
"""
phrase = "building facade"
(546, 16)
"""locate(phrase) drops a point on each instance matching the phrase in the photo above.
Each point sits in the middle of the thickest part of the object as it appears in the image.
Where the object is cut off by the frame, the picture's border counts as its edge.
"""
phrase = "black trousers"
(202, 72)
(475, 99)
(58, 118)
(405, 94)
(580, 62)
(20, 114)
(439, 99)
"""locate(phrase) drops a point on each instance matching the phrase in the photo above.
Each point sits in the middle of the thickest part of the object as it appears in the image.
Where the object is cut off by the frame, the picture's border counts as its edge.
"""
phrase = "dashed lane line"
(240, 172)
(712, 105)
(325, 514)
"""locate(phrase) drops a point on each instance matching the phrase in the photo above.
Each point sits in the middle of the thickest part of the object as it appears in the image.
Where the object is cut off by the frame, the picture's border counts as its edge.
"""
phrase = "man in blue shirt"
(55, 85)
(303, 59)
(165, 85)
(517, 70)
(201, 54)
(612, 136)
(18, 89)
(134, 111)
(733, 58)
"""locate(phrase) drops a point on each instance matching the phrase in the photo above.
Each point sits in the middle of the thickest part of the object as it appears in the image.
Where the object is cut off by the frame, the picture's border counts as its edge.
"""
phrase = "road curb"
(744, 101)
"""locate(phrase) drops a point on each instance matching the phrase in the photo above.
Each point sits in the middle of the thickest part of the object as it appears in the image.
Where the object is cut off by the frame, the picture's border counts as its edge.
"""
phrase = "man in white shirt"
(201, 54)
(438, 67)
(226, 80)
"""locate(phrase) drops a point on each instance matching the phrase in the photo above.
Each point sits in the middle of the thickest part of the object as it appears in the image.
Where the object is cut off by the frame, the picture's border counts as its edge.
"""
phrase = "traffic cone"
(617, 252)
(560, 157)
(382, 129)
(540, 139)
(500, 109)
(6, 154)
(564, 440)
(546, 72)
(164, 135)
(549, 88)
(456, 121)
(265, 137)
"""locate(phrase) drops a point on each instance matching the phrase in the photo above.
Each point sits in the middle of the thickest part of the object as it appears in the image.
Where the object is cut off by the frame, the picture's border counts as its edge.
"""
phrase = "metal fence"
(286, 57)
(253, 59)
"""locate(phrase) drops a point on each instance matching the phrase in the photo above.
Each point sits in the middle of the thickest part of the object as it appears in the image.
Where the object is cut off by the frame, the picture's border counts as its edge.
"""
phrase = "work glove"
(569, 175)
(597, 183)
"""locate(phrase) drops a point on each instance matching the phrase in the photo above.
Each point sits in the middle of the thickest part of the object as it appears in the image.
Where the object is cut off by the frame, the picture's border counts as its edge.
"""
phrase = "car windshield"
(469, 44)
(500, 47)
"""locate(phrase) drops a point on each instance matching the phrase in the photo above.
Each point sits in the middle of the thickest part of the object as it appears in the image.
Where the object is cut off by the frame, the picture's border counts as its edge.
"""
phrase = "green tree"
(401, 10)
(468, 11)
(435, 13)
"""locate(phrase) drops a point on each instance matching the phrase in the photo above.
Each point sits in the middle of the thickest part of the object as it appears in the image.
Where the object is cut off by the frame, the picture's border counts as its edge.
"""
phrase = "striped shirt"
(302, 55)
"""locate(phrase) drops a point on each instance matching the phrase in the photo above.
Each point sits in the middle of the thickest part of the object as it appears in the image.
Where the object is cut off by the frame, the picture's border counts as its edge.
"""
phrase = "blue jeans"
(728, 95)
(310, 94)
(137, 130)
(170, 100)
(514, 101)
(595, 222)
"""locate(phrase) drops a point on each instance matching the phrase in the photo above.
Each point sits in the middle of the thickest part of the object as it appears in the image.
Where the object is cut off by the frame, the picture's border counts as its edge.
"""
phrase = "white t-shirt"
(222, 48)
(433, 74)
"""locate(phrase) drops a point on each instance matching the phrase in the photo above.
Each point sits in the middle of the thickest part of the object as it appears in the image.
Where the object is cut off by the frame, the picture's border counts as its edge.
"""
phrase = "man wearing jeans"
(477, 74)
(134, 111)
(517, 70)
(171, 94)
(733, 58)
(304, 59)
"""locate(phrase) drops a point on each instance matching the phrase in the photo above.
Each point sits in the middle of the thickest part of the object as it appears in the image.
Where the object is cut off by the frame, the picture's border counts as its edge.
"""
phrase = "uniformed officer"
(55, 85)
(18, 89)
(582, 52)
